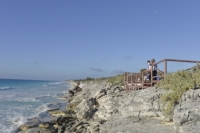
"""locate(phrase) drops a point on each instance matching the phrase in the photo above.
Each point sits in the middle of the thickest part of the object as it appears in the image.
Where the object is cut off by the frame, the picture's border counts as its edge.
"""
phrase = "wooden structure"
(136, 81)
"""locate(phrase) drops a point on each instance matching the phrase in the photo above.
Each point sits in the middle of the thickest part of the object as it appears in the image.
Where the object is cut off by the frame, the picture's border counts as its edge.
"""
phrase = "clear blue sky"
(73, 39)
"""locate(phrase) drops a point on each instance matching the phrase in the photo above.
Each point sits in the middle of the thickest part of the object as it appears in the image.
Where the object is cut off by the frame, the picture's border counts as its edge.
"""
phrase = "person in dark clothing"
(154, 67)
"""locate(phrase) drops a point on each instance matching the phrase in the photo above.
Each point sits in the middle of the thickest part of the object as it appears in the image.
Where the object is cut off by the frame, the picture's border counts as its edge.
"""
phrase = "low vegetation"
(178, 83)
(115, 80)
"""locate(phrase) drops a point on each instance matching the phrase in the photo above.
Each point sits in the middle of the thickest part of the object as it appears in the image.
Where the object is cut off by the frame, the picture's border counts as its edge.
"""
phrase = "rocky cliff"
(103, 108)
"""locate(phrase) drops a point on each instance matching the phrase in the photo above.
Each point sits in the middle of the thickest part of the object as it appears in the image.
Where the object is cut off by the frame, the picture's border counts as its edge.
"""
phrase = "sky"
(74, 39)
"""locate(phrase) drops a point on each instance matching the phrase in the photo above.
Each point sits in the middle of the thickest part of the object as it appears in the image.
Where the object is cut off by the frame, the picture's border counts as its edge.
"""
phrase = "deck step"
(145, 86)
(147, 83)
(155, 81)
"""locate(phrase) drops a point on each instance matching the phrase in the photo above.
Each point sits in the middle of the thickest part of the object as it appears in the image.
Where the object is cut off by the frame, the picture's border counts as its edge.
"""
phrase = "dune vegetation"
(115, 80)
(177, 83)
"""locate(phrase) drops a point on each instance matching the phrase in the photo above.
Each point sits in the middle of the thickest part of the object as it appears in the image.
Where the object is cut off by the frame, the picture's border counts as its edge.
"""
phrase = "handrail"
(174, 60)
(177, 60)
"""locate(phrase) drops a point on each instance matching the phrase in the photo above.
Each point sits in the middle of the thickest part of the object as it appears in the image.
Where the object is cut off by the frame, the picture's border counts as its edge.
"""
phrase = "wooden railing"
(136, 81)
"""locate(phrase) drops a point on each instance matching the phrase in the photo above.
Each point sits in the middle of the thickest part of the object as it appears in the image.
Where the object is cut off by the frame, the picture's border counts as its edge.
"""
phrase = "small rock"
(33, 122)
(44, 125)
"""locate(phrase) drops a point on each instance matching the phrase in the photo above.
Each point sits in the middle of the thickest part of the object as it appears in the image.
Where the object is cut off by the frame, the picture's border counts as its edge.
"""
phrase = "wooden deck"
(135, 81)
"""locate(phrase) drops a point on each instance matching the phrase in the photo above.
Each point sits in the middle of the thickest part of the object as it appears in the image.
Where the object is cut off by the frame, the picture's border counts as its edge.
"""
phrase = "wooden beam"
(178, 60)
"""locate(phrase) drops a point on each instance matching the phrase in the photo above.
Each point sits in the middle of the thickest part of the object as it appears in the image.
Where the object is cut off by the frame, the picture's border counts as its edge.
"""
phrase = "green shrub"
(117, 80)
(89, 78)
(142, 70)
(177, 83)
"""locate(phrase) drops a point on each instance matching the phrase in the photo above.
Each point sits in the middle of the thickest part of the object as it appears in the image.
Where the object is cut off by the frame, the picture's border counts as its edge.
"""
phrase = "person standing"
(154, 67)
(148, 76)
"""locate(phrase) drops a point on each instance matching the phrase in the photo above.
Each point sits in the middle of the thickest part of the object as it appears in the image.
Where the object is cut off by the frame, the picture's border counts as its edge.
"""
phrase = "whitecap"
(42, 108)
(55, 83)
(6, 88)
(45, 85)
(11, 123)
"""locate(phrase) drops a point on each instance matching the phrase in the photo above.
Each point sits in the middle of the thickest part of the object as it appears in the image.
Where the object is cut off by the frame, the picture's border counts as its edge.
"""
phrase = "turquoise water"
(23, 99)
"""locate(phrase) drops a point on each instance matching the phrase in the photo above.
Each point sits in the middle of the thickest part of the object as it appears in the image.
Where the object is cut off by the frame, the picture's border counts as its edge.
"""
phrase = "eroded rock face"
(85, 108)
(44, 125)
(143, 103)
(187, 114)
(102, 92)
(101, 107)
(37, 130)
(33, 122)
(113, 100)
(58, 112)
(137, 103)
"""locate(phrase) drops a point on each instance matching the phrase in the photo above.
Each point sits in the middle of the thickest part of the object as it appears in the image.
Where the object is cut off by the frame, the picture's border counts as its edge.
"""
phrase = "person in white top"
(148, 76)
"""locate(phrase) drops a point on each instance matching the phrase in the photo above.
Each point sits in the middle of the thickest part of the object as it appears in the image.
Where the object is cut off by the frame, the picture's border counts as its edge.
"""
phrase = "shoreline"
(92, 108)
(100, 107)
(45, 116)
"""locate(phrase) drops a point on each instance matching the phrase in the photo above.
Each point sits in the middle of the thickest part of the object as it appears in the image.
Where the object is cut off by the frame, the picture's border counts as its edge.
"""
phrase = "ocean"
(23, 99)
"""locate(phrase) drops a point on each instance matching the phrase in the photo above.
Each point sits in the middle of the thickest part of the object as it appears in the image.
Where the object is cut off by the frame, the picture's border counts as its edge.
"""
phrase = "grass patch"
(178, 83)
(115, 80)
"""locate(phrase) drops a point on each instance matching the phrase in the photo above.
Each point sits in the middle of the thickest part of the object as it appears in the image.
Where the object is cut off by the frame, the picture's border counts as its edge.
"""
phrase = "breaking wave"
(5, 88)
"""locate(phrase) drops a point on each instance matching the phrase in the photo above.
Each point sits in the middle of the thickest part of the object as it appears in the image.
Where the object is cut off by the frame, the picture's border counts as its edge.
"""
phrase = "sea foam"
(5, 88)
(23, 99)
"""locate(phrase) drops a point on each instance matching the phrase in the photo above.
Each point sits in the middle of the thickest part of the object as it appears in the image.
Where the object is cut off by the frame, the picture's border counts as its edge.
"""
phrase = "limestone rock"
(141, 103)
(57, 112)
(85, 108)
(44, 125)
(37, 130)
(101, 107)
(101, 93)
(116, 88)
(187, 113)
(33, 122)
(71, 93)
(102, 113)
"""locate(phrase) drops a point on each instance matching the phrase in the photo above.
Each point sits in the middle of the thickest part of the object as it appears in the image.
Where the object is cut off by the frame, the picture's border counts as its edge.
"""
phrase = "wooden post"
(165, 67)
(142, 80)
(131, 82)
(125, 76)
(152, 75)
